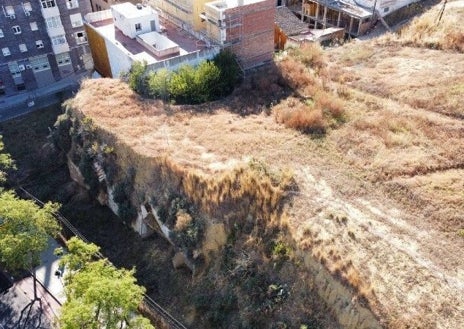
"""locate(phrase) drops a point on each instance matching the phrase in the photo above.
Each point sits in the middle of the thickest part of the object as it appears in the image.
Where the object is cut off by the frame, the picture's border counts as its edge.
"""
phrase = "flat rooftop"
(226, 4)
(187, 43)
(130, 10)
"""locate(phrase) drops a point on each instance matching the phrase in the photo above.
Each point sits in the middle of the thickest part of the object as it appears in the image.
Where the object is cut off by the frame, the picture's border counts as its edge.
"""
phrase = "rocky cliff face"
(228, 227)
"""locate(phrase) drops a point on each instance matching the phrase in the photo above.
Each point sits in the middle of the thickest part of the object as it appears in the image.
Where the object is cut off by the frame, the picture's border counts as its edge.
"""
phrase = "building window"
(71, 4)
(14, 69)
(16, 29)
(76, 20)
(33, 26)
(39, 63)
(1, 33)
(9, 12)
(47, 3)
(39, 44)
(27, 8)
(6, 51)
(63, 59)
(53, 22)
(58, 40)
(138, 27)
(81, 37)
(22, 47)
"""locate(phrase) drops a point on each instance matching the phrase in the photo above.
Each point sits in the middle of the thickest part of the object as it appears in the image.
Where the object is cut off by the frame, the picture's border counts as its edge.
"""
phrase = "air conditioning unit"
(21, 67)
(27, 13)
(28, 66)
(12, 16)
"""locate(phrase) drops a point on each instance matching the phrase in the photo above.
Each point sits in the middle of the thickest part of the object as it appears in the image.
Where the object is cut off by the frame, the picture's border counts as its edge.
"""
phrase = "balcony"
(61, 48)
(50, 12)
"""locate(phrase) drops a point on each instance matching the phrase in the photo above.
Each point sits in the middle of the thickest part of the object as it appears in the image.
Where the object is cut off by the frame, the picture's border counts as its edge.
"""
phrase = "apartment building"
(41, 41)
(244, 26)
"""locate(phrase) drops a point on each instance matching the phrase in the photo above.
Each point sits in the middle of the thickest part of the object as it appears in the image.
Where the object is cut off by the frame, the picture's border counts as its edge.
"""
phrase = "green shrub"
(230, 72)
(61, 134)
(188, 85)
(158, 84)
(137, 77)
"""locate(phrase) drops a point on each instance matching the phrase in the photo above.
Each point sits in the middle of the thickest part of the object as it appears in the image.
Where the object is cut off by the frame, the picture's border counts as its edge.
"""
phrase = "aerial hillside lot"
(380, 185)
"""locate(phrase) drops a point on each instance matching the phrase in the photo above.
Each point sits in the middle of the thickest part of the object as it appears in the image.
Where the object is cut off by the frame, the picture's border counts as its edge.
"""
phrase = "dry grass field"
(380, 198)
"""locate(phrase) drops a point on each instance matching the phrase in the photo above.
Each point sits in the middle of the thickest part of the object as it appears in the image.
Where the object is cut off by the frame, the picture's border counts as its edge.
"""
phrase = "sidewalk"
(15, 311)
(29, 101)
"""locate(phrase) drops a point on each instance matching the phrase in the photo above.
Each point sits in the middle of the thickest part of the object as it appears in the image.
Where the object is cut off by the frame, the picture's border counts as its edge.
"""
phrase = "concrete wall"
(99, 52)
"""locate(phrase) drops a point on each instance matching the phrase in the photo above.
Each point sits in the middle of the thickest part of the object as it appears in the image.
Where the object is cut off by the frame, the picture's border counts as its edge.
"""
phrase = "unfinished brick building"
(244, 26)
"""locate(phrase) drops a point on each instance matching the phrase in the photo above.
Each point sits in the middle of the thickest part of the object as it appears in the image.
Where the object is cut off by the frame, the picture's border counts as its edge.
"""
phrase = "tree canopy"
(98, 294)
(24, 230)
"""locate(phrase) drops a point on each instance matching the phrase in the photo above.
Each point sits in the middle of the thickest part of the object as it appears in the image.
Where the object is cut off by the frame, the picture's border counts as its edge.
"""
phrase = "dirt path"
(409, 268)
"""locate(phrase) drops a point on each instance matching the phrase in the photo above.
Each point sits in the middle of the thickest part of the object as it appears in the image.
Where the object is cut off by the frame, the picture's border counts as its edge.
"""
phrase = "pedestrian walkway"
(16, 307)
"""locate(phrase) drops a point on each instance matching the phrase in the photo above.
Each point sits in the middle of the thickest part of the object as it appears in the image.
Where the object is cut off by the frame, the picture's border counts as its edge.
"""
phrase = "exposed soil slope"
(380, 198)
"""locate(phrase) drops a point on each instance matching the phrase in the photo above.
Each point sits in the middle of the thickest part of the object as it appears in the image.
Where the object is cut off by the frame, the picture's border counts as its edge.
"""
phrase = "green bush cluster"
(208, 81)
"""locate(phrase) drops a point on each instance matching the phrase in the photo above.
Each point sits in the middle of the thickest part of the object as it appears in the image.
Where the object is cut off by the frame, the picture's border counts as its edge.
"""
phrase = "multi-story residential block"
(42, 41)
(244, 26)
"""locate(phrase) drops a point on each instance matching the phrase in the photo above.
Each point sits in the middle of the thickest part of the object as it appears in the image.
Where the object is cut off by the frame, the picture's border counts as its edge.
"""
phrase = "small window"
(58, 40)
(34, 26)
(6, 51)
(39, 63)
(81, 37)
(22, 47)
(63, 59)
(386, 9)
(1, 33)
(16, 29)
(71, 4)
(27, 8)
(9, 12)
(138, 27)
(39, 44)
(76, 20)
(53, 22)
(47, 3)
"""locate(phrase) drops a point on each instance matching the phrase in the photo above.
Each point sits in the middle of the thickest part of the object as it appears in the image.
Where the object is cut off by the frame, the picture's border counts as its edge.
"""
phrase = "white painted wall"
(126, 19)
(385, 7)
(120, 61)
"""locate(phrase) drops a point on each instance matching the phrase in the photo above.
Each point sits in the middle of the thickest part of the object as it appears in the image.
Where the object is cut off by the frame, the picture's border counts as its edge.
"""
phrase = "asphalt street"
(29, 101)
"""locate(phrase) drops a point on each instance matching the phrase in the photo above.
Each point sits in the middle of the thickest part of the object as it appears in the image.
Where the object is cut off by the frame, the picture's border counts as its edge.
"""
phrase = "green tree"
(137, 80)
(98, 294)
(182, 84)
(207, 76)
(6, 162)
(158, 84)
(24, 232)
(227, 63)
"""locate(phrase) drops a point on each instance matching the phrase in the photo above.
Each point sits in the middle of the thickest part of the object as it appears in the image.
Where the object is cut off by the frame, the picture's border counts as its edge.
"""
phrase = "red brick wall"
(256, 33)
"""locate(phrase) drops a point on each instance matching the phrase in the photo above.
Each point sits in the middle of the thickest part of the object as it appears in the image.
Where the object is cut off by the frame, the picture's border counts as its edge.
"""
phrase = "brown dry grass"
(393, 169)
(425, 30)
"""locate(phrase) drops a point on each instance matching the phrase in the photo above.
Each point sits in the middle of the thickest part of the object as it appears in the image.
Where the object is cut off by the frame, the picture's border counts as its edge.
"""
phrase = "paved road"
(16, 310)
(29, 101)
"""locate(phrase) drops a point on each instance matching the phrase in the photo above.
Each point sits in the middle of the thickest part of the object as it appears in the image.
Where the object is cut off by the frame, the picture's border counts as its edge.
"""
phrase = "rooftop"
(130, 10)
(289, 23)
(187, 44)
(226, 4)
